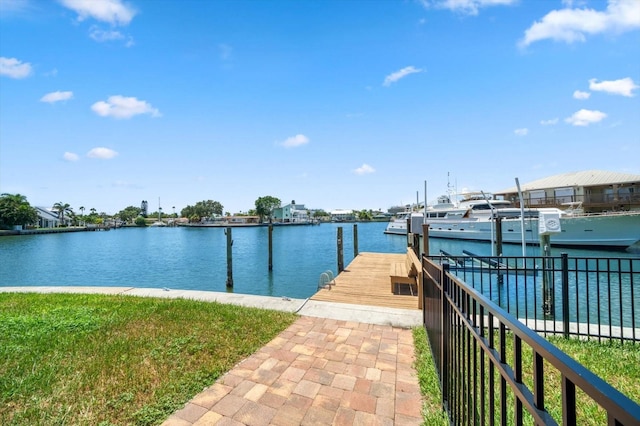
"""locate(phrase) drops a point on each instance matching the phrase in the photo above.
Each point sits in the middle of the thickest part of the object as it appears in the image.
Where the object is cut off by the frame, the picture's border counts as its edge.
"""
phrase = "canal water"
(195, 258)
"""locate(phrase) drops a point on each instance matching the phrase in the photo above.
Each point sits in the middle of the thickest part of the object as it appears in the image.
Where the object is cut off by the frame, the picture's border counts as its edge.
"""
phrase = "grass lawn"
(617, 364)
(100, 360)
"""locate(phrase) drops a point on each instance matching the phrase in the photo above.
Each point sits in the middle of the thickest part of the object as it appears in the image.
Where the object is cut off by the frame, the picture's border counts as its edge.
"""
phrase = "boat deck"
(365, 281)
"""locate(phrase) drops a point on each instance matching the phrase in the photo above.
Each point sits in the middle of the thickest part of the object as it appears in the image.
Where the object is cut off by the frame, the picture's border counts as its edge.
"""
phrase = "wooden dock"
(366, 282)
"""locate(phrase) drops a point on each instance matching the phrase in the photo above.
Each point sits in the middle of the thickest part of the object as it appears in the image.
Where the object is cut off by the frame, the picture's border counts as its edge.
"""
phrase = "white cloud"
(571, 25)
(550, 122)
(123, 107)
(70, 156)
(12, 67)
(102, 153)
(521, 132)
(56, 97)
(584, 117)
(469, 7)
(624, 86)
(101, 35)
(364, 170)
(581, 95)
(114, 12)
(294, 141)
(395, 76)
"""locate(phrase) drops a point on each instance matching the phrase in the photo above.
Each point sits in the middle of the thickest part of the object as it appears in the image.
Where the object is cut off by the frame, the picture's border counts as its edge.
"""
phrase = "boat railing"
(494, 368)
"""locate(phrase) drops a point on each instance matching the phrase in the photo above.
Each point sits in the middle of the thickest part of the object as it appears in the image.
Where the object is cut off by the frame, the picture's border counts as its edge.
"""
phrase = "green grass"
(617, 364)
(102, 360)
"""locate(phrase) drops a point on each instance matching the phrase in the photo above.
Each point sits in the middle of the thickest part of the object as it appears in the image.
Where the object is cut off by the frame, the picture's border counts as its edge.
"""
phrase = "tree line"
(16, 210)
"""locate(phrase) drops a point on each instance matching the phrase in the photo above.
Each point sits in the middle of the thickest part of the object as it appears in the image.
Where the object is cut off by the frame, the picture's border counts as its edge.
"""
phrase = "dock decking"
(365, 281)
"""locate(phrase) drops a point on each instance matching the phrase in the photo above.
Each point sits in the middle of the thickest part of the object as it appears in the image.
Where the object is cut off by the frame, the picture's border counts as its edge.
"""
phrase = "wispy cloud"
(581, 95)
(56, 97)
(365, 169)
(102, 153)
(395, 76)
(295, 141)
(102, 36)
(469, 7)
(521, 132)
(550, 122)
(570, 25)
(70, 156)
(624, 86)
(14, 68)
(584, 117)
(225, 51)
(113, 12)
(123, 107)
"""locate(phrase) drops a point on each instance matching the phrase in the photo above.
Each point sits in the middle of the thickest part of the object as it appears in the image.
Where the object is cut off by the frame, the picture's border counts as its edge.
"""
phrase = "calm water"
(195, 258)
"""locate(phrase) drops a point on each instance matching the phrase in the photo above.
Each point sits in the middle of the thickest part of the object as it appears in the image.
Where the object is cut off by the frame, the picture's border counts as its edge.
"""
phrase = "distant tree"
(365, 215)
(265, 206)
(140, 221)
(61, 208)
(16, 210)
(202, 209)
(129, 214)
(320, 214)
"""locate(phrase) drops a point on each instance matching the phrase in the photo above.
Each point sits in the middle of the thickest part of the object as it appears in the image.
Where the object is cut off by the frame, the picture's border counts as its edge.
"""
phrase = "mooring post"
(271, 247)
(340, 252)
(547, 276)
(565, 294)
(355, 240)
(498, 236)
(425, 239)
(409, 237)
(229, 259)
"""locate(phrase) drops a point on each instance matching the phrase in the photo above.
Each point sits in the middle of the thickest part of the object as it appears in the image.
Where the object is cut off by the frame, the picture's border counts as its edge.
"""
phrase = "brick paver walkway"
(317, 372)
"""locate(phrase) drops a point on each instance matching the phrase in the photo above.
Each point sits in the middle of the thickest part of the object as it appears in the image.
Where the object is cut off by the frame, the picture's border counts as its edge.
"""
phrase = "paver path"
(317, 372)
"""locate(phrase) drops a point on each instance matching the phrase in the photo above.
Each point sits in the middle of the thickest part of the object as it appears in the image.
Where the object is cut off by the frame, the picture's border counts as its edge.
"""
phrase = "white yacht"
(473, 218)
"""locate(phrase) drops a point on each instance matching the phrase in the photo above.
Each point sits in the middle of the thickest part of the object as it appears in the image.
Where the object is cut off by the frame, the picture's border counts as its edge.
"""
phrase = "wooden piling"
(548, 302)
(270, 247)
(355, 240)
(340, 251)
(499, 236)
(229, 258)
(425, 239)
(409, 237)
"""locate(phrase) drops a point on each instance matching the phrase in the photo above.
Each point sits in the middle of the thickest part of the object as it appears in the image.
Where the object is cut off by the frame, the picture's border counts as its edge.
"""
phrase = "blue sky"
(334, 104)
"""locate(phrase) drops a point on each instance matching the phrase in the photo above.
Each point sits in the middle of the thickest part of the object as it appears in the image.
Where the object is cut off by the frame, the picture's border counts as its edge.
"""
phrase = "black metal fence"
(495, 370)
(596, 298)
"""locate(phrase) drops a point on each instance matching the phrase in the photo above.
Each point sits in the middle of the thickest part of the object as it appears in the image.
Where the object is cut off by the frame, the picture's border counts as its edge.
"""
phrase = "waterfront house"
(342, 215)
(242, 220)
(49, 219)
(592, 190)
(291, 213)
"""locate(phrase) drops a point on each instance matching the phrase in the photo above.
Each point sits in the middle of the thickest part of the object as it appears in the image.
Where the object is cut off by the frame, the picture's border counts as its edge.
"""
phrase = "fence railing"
(596, 298)
(495, 370)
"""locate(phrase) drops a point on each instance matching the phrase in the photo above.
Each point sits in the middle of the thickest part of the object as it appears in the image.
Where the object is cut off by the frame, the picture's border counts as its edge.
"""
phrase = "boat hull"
(613, 231)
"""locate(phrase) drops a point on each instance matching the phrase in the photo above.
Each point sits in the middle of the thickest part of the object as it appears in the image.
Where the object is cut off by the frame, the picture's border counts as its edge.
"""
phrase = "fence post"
(444, 343)
(565, 294)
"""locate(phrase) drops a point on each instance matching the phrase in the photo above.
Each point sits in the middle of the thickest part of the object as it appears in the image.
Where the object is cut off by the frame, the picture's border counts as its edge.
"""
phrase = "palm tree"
(61, 208)
(81, 208)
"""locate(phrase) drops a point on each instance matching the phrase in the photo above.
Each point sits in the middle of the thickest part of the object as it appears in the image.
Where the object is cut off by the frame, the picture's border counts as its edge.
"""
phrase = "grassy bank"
(95, 359)
(617, 364)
